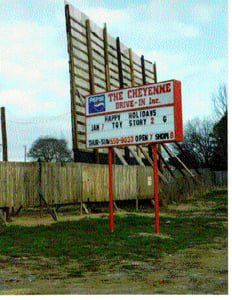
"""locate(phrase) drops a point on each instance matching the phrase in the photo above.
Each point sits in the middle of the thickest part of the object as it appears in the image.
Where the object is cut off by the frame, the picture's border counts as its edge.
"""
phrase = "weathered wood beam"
(146, 155)
(121, 85)
(72, 83)
(186, 157)
(85, 208)
(120, 71)
(4, 135)
(50, 210)
(166, 164)
(138, 159)
(172, 154)
(106, 56)
(143, 69)
(120, 156)
(132, 71)
(91, 74)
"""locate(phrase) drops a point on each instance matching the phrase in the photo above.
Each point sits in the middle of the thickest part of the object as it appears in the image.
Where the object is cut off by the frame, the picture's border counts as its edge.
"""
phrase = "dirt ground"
(198, 270)
(193, 271)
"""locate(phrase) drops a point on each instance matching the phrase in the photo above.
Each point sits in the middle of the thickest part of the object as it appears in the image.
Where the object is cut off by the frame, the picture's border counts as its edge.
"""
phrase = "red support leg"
(156, 189)
(110, 151)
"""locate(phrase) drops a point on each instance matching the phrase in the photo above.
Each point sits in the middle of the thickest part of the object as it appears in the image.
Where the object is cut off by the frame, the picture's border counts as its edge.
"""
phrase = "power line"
(37, 121)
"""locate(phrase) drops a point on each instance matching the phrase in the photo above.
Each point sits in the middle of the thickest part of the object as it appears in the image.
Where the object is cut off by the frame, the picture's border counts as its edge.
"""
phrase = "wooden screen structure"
(98, 63)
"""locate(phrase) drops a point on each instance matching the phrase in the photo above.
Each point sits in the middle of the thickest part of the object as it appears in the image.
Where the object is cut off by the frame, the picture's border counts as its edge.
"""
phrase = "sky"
(187, 40)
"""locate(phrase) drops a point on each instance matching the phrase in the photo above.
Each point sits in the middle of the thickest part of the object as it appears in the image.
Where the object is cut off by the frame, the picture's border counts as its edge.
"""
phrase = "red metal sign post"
(111, 200)
(156, 189)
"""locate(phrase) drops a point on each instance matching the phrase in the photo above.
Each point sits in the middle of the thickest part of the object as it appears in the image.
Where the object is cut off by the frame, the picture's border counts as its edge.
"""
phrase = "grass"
(90, 242)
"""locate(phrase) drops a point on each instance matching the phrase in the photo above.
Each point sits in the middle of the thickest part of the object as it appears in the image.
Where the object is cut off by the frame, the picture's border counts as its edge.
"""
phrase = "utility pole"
(4, 135)
(25, 152)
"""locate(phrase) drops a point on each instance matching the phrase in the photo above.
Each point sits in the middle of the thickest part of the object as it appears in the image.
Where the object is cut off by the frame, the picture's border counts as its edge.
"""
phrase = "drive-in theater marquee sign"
(145, 114)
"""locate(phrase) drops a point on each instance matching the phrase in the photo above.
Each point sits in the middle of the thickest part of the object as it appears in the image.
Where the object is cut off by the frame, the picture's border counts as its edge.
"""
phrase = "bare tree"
(197, 135)
(220, 101)
(197, 146)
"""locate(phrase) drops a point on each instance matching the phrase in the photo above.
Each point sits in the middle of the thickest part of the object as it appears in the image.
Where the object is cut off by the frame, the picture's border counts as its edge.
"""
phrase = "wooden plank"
(186, 156)
(78, 36)
(138, 159)
(120, 72)
(99, 89)
(143, 70)
(125, 182)
(166, 164)
(50, 210)
(106, 55)
(145, 183)
(79, 47)
(85, 208)
(120, 156)
(96, 31)
(132, 67)
(171, 156)
(97, 48)
(76, 21)
(142, 149)
(155, 74)
(72, 79)
(77, 25)
(77, 14)
(90, 58)
(81, 61)
(4, 135)
(177, 158)
(81, 75)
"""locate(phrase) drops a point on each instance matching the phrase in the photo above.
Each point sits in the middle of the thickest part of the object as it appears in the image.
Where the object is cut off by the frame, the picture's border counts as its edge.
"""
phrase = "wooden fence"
(76, 182)
(220, 178)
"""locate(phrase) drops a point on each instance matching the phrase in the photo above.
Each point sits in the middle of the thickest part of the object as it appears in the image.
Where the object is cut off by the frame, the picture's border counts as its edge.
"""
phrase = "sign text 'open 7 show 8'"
(151, 113)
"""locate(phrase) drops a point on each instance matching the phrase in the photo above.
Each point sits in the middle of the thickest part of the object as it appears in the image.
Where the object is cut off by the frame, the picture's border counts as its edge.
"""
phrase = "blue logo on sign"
(96, 104)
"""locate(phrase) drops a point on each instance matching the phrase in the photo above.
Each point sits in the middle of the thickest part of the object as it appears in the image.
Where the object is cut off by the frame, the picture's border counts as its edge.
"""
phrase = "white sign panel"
(146, 114)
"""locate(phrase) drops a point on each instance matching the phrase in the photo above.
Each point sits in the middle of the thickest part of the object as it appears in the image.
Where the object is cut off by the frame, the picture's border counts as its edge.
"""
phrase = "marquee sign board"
(145, 114)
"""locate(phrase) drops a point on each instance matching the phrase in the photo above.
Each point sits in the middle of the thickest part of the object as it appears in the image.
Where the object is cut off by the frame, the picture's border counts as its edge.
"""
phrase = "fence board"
(73, 182)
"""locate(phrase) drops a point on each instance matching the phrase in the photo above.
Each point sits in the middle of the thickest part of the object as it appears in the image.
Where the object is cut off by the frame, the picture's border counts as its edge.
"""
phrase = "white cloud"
(157, 19)
(217, 64)
(176, 30)
(23, 73)
(21, 99)
(187, 30)
(24, 102)
(169, 65)
(202, 12)
(109, 16)
(181, 67)
(60, 89)
(26, 42)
